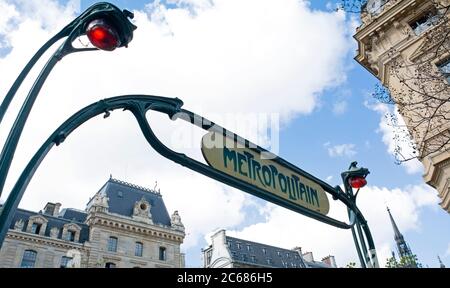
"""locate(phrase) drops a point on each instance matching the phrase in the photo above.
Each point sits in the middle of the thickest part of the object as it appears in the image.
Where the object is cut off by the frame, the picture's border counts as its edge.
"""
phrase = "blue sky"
(331, 123)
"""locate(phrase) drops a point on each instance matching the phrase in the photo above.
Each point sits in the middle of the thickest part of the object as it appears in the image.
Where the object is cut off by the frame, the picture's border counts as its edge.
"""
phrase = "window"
(208, 256)
(253, 259)
(229, 243)
(287, 255)
(162, 253)
(238, 245)
(269, 261)
(425, 21)
(138, 249)
(445, 69)
(248, 247)
(36, 228)
(29, 259)
(70, 236)
(244, 257)
(110, 265)
(112, 244)
(264, 250)
(65, 261)
(278, 253)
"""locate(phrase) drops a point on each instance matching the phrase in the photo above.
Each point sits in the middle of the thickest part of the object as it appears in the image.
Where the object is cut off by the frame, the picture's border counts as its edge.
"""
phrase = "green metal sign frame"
(139, 105)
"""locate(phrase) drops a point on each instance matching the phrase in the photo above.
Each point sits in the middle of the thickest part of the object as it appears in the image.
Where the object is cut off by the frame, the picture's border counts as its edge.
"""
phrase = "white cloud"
(288, 229)
(230, 57)
(347, 150)
(340, 107)
(331, 6)
(391, 132)
(8, 13)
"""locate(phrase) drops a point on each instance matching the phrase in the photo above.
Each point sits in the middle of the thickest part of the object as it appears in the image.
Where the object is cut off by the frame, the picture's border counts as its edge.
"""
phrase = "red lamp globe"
(103, 35)
(357, 182)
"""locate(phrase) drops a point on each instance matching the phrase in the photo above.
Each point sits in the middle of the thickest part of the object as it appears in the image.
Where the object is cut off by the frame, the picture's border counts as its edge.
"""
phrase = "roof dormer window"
(37, 224)
(36, 228)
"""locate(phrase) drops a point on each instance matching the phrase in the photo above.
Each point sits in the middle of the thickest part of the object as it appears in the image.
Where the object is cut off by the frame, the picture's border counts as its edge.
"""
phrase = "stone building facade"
(230, 252)
(405, 44)
(123, 226)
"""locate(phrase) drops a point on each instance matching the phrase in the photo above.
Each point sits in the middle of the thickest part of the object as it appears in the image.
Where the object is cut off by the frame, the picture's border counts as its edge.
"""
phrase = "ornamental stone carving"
(141, 211)
(19, 225)
(99, 203)
(175, 219)
(54, 232)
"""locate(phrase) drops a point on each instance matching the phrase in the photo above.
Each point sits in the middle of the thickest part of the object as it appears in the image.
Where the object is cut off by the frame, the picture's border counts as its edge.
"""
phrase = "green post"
(104, 11)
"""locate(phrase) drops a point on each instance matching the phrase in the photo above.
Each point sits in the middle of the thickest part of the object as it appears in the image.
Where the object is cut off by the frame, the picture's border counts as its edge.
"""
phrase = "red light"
(358, 182)
(102, 35)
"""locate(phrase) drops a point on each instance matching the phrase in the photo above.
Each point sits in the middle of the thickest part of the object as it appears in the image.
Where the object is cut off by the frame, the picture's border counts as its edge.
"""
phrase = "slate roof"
(58, 222)
(252, 253)
(73, 214)
(317, 264)
(122, 197)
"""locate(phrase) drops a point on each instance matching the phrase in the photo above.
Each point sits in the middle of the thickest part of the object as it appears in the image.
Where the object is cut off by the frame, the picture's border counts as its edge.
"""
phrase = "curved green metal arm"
(73, 30)
(139, 105)
(206, 170)
(132, 103)
(66, 31)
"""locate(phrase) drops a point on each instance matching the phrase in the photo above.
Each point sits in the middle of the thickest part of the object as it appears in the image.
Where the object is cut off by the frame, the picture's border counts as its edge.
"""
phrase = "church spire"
(397, 235)
(404, 252)
(441, 265)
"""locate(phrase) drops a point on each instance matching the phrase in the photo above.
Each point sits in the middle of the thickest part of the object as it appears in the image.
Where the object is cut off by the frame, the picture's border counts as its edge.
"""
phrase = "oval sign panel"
(245, 164)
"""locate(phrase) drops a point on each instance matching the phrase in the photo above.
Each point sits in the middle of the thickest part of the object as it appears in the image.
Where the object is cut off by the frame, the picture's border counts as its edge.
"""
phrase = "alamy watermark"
(241, 130)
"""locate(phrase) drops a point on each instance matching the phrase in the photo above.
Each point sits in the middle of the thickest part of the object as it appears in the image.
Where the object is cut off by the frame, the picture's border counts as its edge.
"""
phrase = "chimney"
(52, 209)
(298, 250)
(308, 256)
(49, 208)
(56, 211)
(219, 238)
(330, 261)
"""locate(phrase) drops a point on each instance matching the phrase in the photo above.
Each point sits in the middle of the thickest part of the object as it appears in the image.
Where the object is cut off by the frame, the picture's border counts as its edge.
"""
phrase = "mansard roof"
(73, 214)
(122, 197)
(258, 254)
(57, 222)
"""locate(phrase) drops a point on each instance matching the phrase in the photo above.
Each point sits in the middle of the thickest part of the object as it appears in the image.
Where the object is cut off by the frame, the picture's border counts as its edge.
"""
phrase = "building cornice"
(377, 27)
(128, 225)
(385, 18)
(43, 240)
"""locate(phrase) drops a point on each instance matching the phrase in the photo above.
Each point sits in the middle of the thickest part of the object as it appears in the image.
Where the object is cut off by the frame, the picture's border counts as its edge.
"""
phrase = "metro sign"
(248, 165)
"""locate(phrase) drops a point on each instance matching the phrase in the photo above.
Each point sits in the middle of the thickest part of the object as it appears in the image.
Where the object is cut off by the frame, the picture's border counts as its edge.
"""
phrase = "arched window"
(29, 259)
(138, 249)
(112, 244)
